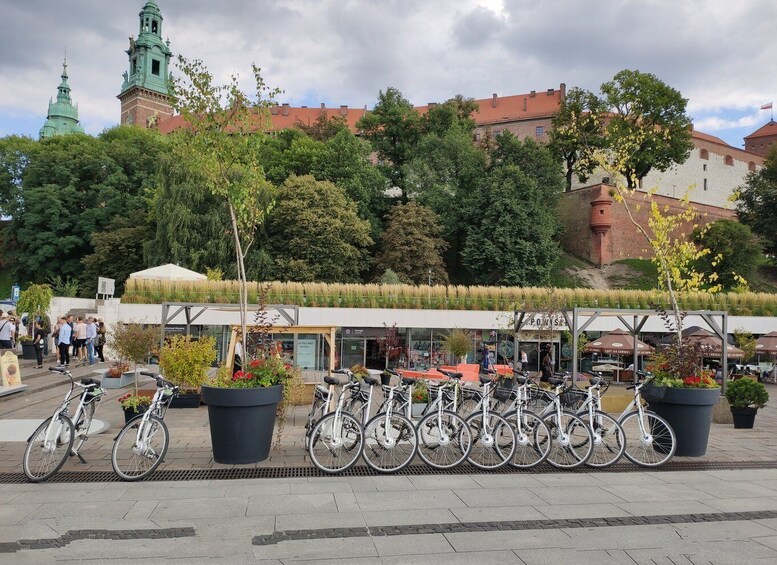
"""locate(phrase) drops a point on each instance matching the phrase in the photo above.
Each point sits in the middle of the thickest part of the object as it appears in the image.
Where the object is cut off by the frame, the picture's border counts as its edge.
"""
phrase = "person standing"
(91, 335)
(38, 340)
(547, 367)
(64, 338)
(100, 340)
(79, 334)
(6, 332)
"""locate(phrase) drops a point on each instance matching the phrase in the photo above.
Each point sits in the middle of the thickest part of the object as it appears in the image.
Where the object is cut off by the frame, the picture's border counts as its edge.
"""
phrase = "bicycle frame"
(636, 404)
(54, 429)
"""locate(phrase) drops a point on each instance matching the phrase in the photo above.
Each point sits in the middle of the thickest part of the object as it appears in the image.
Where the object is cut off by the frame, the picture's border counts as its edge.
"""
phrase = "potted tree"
(35, 300)
(185, 361)
(458, 343)
(133, 342)
(745, 396)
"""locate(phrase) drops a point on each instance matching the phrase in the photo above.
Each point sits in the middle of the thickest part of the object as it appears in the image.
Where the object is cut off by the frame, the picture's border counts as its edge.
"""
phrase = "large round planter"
(242, 421)
(689, 412)
(744, 418)
(28, 350)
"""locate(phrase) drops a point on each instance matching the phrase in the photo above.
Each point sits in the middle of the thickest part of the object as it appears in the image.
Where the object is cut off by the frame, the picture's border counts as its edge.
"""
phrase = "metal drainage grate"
(364, 471)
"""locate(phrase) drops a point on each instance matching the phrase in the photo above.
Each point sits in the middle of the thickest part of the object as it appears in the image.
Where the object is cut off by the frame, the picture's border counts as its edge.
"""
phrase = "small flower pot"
(28, 350)
(186, 400)
(744, 418)
(130, 413)
(125, 379)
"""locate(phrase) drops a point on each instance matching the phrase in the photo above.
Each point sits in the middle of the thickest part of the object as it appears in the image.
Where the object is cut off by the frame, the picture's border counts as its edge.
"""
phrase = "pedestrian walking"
(79, 340)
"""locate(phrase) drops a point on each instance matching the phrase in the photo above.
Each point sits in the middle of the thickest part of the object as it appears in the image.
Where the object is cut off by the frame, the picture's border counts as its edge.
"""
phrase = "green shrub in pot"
(746, 393)
(185, 361)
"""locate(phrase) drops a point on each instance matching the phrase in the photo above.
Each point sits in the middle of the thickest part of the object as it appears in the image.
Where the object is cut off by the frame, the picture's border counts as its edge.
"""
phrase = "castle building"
(145, 92)
(762, 139)
(62, 117)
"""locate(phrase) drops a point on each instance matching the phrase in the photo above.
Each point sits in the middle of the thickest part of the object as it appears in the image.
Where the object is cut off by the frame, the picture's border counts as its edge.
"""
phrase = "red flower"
(239, 375)
(255, 363)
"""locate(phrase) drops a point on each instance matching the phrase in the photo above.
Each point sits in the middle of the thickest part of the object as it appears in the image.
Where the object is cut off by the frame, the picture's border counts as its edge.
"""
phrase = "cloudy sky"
(719, 54)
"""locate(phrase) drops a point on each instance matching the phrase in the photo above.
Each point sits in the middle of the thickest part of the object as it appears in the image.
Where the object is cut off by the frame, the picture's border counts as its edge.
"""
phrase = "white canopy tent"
(168, 272)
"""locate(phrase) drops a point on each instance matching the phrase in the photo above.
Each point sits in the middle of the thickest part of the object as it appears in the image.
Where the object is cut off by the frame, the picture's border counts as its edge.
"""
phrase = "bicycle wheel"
(316, 411)
(608, 439)
(83, 425)
(48, 449)
(651, 444)
(538, 399)
(493, 441)
(389, 443)
(532, 439)
(469, 402)
(444, 440)
(356, 407)
(336, 442)
(571, 441)
(139, 448)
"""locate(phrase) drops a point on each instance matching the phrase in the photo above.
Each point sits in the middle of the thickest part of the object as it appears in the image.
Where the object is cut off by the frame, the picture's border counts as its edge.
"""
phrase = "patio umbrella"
(766, 343)
(617, 342)
(712, 344)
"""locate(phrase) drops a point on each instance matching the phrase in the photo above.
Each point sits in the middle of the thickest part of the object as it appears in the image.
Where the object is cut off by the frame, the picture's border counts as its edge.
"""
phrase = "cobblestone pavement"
(190, 439)
(699, 517)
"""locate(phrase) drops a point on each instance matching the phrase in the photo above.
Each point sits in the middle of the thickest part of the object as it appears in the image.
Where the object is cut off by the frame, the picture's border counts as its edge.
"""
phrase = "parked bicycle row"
(505, 421)
(138, 448)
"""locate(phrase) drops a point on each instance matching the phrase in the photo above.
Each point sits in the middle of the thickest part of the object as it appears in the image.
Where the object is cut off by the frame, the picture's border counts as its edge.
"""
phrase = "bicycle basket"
(503, 388)
(572, 398)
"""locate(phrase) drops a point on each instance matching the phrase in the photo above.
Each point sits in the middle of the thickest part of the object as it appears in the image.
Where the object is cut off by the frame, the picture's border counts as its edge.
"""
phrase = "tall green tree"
(757, 201)
(411, 245)
(577, 132)
(224, 127)
(393, 129)
(315, 233)
(453, 113)
(648, 125)
(512, 236)
(444, 175)
(16, 152)
(118, 251)
(734, 253)
(323, 127)
(72, 187)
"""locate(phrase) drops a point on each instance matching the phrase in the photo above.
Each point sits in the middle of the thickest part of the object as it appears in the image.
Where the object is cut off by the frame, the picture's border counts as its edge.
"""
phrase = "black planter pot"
(28, 350)
(689, 412)
(385, 380)
(242, 421)
(186, 400)
(744, 418)
(130, 413)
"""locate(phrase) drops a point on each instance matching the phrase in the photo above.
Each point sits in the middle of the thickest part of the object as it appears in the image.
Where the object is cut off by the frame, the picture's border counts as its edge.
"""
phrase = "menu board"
(9, 368)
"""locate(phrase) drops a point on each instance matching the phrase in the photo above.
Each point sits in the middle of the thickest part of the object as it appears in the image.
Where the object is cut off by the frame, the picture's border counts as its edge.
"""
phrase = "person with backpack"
(7, 330)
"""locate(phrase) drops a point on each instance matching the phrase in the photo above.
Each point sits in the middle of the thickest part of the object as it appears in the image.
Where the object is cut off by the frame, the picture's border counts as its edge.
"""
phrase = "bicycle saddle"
(372, 381)
(596, 381)
(450, 374)
(331, 380)
(521, 379)
(556, 381)
(408, 381)
(484, 379)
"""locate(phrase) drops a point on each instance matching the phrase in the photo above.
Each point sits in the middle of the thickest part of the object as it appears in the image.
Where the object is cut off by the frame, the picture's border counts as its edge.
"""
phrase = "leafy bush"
(185, 361)
(746, 393)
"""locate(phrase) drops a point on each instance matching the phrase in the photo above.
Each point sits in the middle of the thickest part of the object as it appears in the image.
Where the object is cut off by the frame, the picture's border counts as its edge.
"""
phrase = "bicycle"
(494, 441)
(323, 396)
(58, 436)
(140, 446)
(532, 436)
(337, 438)
(609, 441)
(650, 439)
(571, 440)
(391, 440)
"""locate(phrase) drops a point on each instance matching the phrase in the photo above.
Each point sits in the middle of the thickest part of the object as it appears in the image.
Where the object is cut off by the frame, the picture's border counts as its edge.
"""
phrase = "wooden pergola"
(328, 332)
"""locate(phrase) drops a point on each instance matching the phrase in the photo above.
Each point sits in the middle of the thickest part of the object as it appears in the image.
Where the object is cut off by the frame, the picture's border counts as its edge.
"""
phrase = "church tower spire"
(62, 116)
(145, 93)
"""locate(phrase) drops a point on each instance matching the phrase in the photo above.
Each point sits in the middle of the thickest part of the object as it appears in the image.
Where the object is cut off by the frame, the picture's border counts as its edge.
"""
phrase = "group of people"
(9, 330)
(83, 341)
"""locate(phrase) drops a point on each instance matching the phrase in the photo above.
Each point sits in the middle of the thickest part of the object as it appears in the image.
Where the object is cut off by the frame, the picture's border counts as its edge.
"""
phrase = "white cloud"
(717, 53)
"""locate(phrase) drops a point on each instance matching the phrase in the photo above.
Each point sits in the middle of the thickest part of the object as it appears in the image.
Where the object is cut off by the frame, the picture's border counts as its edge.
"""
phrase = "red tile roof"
(764, 131)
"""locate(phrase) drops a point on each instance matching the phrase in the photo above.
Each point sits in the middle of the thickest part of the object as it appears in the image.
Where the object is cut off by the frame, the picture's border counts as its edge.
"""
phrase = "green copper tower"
(62, 117)
(145, 95)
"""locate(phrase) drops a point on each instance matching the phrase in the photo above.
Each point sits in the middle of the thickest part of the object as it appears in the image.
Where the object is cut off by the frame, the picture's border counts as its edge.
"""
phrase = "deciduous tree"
(757, 202)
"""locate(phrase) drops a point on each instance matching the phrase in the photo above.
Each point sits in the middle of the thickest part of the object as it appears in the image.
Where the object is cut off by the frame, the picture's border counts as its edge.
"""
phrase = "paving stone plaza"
(722, 510)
